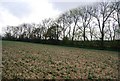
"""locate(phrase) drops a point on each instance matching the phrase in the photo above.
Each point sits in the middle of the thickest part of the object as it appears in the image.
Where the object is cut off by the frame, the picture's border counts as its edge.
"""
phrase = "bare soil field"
(38, 61)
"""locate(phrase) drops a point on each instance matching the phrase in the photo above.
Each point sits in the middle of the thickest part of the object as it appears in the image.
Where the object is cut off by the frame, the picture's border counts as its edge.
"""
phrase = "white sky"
(15, 12)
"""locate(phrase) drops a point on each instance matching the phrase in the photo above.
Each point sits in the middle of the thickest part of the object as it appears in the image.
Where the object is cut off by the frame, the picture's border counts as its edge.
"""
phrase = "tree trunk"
(102, 35)
(57, 32)
(74, 28)
(84, 34)
(73, 33)
(118, 16)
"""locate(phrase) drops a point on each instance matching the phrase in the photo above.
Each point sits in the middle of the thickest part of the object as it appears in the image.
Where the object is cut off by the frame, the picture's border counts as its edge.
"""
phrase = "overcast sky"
(15, 12)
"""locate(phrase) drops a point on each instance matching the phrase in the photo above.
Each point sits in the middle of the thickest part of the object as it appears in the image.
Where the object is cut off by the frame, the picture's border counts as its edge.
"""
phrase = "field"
(38, 61)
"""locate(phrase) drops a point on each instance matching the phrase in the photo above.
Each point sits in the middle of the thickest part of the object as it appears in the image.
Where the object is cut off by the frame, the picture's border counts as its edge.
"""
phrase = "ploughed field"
(38, 61)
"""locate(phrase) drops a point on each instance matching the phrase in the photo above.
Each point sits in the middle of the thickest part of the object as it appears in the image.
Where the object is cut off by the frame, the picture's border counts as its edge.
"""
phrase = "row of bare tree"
(100, 21)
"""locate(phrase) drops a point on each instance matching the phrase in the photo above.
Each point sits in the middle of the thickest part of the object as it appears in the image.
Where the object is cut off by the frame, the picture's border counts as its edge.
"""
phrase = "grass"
(38, 61)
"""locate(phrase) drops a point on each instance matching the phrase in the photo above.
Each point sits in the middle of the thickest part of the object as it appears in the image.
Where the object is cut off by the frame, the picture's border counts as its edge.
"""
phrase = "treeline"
(96, 26)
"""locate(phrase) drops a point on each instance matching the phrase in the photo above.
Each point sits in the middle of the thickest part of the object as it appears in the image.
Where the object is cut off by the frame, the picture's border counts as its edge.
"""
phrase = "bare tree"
(101, 12)
(74, 17)
(8, 33)
(91, 31)
(116, 6)
(46, 24)
(86, 19)
(64, 21)
(116, 16)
